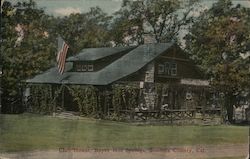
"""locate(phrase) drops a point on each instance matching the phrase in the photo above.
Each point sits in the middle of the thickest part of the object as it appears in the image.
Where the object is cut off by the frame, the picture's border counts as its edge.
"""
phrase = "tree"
(27, 48)
(219, 42)
(29, 43)
(85, 30)
(161, 18)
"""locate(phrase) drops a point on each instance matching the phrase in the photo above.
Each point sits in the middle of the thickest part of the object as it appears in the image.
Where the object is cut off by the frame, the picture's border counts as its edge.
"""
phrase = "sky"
(66, 7)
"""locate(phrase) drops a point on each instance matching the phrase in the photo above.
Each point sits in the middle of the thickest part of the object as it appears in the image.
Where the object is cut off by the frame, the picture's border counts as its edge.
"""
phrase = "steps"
(68, 115)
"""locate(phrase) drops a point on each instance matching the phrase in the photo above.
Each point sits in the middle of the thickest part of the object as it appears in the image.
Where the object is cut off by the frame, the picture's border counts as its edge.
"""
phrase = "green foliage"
(97, 103)
(162, 18)
(42, 100)
(117, 99)
(85, 30)
(86, 98)
(126, 96)
(216, 41)
(37, 51)
(92, 102)
(34, 54)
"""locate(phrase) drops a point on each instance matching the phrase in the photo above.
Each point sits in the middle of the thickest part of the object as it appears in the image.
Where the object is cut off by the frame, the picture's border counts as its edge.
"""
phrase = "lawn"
(33, 132)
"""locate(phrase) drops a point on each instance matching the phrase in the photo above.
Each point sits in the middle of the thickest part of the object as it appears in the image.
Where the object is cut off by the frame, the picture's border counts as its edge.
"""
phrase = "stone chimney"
(149, 93)
(148, 36)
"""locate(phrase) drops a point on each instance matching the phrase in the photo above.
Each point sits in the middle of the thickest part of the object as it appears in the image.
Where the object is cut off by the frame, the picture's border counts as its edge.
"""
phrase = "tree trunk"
(229, 102)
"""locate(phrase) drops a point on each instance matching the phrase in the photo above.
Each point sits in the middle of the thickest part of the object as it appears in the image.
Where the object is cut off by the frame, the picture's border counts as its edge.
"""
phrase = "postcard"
(125, 79)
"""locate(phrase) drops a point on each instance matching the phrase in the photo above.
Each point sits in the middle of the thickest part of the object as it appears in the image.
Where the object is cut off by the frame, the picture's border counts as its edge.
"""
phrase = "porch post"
(63, 97)
(54, 102)
(205, 104)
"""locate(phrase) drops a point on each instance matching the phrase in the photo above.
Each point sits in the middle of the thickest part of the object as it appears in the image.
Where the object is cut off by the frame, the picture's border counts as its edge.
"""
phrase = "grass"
(33, 132)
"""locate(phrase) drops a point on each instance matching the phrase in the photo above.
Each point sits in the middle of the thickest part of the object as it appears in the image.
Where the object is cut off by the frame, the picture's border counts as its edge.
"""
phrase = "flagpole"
(54, 102)
(52, 86)
(61, 61)
(63, 97)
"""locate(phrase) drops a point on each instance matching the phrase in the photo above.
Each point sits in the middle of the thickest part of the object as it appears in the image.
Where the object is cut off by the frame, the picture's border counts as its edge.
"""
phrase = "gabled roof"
(91, 54)
(122, 67)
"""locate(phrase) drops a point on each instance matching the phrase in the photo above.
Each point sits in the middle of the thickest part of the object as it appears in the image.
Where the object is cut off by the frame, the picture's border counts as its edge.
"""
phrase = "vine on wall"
(92, 102)
(42, 99)
(125, 98)
(86, 98)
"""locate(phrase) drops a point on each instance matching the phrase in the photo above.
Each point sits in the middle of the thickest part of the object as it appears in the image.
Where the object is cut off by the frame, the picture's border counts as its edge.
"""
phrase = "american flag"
(61, 55)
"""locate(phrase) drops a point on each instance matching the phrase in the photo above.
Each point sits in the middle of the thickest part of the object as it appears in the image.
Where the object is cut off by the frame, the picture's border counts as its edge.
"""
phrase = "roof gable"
(122, 67)
(91, 54)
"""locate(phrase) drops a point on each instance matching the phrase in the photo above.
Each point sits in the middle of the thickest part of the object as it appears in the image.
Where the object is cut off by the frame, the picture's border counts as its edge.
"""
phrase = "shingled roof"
(91, 54)
(129, 63)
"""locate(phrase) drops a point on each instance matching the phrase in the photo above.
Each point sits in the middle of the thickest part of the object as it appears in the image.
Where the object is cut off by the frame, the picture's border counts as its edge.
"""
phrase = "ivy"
(125, 98)
(86, 98)
(92, 102)
(41, 97)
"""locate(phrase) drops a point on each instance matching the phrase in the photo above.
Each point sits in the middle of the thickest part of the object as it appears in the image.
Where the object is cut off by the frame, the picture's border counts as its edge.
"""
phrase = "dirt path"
(178, 152)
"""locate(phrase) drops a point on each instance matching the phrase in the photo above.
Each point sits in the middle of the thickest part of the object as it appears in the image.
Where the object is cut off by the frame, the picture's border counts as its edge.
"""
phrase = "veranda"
(172, 103)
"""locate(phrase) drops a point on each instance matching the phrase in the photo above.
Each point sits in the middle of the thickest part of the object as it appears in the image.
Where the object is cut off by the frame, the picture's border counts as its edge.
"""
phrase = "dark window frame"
(174, 69)
(161, 69)
(168, 68)
(84, 68)
(90, 67)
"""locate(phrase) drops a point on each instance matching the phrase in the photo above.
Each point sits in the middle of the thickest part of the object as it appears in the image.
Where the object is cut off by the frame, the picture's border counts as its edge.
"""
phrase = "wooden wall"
(185, 67)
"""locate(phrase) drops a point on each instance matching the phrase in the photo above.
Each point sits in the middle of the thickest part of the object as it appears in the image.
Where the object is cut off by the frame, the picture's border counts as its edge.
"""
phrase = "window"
(90, 68)
(84, 68)
(173, 69)
(160, 69)
(167, 68)
(78, 67)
